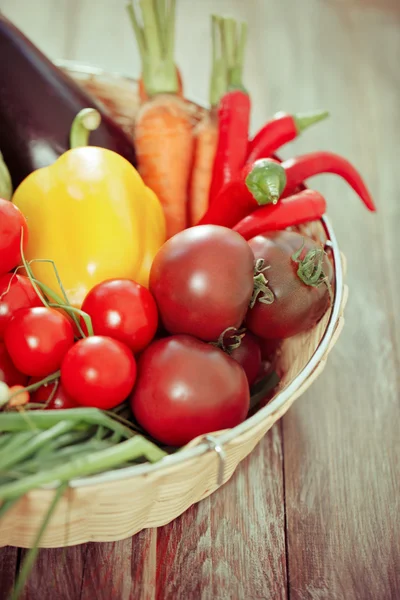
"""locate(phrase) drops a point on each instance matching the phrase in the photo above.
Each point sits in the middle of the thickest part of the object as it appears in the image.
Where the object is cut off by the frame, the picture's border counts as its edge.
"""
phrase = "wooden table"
(313, 513)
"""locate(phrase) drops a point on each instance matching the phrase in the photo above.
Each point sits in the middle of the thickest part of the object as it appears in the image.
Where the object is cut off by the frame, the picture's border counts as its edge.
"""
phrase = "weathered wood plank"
(232, 544)
(8, 566)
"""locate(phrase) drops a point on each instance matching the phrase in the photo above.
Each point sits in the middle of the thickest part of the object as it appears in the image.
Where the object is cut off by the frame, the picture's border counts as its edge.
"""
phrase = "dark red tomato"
(123, 310)
(59, 397)
(37, 340)
(296, 306)
(98, 371)
(8, 372)
(187, 388)
(11, 222)
(248, 355)
(16, 292)
(202, 280)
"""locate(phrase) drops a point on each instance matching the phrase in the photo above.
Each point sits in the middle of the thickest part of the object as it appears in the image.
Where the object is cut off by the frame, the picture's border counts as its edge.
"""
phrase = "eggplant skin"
(38, 103)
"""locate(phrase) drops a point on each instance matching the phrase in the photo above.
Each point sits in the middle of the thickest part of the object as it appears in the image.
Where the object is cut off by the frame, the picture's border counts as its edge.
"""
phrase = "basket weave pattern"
(118, 504)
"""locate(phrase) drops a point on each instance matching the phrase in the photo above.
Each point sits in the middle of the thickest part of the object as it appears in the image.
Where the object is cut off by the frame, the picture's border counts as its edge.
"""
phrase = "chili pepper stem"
(306, 119)
(6, 188)
(266, 181)
(87, 120)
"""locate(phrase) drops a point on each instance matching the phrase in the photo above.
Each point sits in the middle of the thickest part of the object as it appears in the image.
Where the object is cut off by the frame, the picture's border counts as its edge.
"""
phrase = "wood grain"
(233, 540)
(340, 442)
(8, 566)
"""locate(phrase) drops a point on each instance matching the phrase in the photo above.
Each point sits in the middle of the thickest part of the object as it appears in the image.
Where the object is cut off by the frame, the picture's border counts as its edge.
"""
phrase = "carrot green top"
(154, 27)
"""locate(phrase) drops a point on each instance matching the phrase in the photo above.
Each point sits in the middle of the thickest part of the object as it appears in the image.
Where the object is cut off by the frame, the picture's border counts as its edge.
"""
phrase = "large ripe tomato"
(8, 371)
(202, 280)
(37, 340)
(98, 371)
(248, 355)
(297, 306)
(11, 222)
(16, 291)
(124, 310)
(54, 391)
(187, 388)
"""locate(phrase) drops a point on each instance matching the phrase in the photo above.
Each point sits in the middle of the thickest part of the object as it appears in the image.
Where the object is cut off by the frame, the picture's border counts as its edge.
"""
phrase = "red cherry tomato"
(296, 306)
(11, 222)
(8, 371)
(187, 388)
(248, 355)
(98, 371)
(123, 310)
(37, 340)
(59, 397)
(16, 291)
(202, 280)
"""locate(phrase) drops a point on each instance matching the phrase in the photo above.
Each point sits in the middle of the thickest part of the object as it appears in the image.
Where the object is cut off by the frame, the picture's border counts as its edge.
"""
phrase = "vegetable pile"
(146, 284)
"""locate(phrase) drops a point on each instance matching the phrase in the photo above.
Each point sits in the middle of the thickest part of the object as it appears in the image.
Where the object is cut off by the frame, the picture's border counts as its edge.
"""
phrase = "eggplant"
(38, 103)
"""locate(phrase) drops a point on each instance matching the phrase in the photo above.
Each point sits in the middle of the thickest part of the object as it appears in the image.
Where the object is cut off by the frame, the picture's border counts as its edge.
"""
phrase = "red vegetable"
(98, 371)
(8, 371)
(53, 395)
(258, 184)
(298, 274)
(16, 291)
(37, 340)
(303, 167)
(202, 280)
(248, 355)
(12, 221)
(187, 388)
(283, 128)
(123, 310)
(233, 111)
(305, 206)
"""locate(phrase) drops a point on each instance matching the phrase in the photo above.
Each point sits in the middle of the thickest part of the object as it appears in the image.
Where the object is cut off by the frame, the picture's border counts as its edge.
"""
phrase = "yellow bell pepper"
(91, 214)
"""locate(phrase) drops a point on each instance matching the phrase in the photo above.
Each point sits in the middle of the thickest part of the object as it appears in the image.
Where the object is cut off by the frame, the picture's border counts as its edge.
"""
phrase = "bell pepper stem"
(87, 120)
(304, 120)
(266, 181)
(6, 189)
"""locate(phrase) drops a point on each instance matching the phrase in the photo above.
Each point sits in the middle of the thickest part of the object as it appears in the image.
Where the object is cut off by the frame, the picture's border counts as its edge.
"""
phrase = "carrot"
(206, 132)
(163, 131)
(143, 94)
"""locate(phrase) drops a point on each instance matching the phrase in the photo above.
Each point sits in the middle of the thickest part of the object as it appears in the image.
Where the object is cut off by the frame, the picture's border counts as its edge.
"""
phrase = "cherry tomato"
(187, 388)
(123, 310)
(37, 340)
(202, 280)
(59, 397)
(98, 371)
(248, 355)
(11, 222)
(8, 371)
(16, 291)
(296, 306)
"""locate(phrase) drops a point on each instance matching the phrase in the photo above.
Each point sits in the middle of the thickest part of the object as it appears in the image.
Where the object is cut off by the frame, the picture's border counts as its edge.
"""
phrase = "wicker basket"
(118, 504)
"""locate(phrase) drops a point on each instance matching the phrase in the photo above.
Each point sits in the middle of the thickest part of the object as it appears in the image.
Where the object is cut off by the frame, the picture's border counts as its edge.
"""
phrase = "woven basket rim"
(274, 405)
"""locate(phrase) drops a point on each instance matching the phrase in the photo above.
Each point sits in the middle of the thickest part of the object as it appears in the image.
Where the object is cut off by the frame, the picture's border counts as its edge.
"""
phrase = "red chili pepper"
(305, 206)
(283, 128)
(233, 128)
(303, 167)
(233, 110)
(257, 184)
